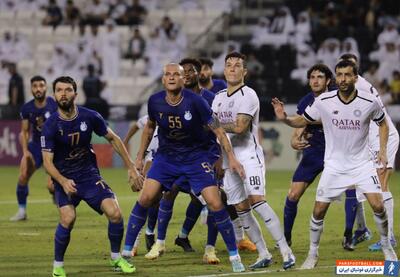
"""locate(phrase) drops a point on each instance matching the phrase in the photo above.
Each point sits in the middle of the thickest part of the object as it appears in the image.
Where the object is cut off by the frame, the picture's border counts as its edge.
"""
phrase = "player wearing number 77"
(345, 115)
(69, 159)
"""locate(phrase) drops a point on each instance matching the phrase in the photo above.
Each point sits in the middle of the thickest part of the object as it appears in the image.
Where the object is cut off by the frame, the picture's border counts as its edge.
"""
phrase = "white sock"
(238, 229)
(381, 221)
(115, 256)
(58, 264)
(360, 217)
(253, 230)
(126, 253)
(389, 205)
(21, 210)
(273, 224)
(161, 242)
(316, 228)
(137, 241)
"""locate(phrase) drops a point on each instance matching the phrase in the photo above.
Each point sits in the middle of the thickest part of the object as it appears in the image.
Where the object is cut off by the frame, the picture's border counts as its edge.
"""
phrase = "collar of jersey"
(337, 93)
(171, 104)
(70, 119)
(239, 88)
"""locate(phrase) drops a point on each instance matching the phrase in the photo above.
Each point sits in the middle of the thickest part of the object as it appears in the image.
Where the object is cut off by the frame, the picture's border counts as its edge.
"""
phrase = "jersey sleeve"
(378, 115)
(24, 114)
(150, 110)
(99, 125)
(47, 137)
(250, 105)
(142, 122)
(312, 112)
(204, 110)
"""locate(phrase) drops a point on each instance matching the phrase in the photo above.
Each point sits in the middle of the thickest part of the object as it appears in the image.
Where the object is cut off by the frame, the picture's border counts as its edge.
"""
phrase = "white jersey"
(243, 101)
(346, 127)
(153, 146)
(373, 136)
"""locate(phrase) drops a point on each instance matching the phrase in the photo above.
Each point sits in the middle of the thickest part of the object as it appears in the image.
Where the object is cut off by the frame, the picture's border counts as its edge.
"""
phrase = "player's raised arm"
(67, 184)
(135, 178)
(132, 131)
(234, 164)
(147, 135)
(295, 121)
(383, 139)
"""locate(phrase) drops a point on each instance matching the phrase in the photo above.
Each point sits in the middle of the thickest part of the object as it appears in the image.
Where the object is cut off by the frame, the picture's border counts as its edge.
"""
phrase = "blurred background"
(115, 50)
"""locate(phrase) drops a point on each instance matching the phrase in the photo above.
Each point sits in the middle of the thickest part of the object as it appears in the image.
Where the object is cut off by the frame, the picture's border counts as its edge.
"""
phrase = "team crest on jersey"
(47, 114)
(83, 126)
(188, 115)
(231, 103)
(357, 113)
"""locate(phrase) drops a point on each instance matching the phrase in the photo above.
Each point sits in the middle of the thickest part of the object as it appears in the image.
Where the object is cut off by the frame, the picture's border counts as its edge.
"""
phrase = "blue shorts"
(198, 173)
(93, 192)
(311, 164)
(36, 152)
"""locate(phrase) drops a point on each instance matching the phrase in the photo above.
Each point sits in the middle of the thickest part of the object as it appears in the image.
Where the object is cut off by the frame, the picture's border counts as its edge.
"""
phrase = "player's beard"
(66, 106)
(204, 80)
(39, 98)
(348, 90)
(190, 85)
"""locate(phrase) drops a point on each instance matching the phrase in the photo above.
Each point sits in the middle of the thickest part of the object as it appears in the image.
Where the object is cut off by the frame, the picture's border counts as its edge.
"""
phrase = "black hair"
(64, 79)
(237, 55)
(37, 78)
(196, 63)
(346, 63)
(348, 56)
(322, 68)
(206, 61)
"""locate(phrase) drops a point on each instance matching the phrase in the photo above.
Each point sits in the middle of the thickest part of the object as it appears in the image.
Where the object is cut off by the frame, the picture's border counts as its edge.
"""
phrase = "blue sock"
(22, 194)
(225, 227)
(61, 241)
(164, 216)
(289, 215)
(136, 221)
(212, 230)
(115, 235)
(152, 219)
(192, 214)
(351, 210)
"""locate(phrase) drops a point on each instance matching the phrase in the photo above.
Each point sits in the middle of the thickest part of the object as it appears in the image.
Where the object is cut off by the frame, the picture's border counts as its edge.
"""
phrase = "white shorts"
(152, 149)
(392, 147)
(333, 184)
(238, 190)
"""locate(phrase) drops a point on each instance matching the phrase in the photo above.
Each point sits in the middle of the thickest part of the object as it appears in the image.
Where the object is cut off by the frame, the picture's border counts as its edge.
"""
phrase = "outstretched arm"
(242, 124)
(295, 121)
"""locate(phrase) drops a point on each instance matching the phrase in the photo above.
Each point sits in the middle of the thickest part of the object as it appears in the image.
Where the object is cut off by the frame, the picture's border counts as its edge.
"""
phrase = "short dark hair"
(206, 61)
(348, 56)
(65, 79)
(196, 63)
(237, 55)
(37, 78)
(346, 63)
(320, 67)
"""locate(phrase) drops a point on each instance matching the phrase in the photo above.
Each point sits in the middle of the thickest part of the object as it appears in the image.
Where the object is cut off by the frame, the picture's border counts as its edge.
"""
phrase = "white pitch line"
(257, 272)
(45, 201)
(29, 234)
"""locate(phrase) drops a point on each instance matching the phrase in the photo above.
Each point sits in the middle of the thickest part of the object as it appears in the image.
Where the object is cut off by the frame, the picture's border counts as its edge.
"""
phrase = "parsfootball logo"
(347, 124)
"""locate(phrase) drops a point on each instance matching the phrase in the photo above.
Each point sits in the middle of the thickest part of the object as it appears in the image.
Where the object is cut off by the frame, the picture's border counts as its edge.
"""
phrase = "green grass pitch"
(26, 248)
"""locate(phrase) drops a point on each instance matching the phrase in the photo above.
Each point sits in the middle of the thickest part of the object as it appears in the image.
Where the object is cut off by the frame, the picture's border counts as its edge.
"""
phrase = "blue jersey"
(181, 133)
(69, 140)
(218, 85)
(317, 140)
(37, 116)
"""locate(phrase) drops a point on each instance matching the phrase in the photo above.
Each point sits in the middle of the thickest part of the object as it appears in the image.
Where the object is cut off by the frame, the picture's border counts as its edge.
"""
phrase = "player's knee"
(115, 216)
(215, 204)
(377, 207)
(67, 220)
(23, 178)
(294, 195)
(145, 201)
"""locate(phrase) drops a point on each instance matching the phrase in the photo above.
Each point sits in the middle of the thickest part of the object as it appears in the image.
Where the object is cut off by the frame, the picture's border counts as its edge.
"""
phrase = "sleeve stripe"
(380, 118)
(308, 117)
(47, 150)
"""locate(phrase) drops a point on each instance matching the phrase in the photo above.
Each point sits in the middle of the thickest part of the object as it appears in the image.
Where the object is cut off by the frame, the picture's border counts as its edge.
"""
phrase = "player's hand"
(135, 180)
(69, 186)
(219, 171)
(27, 155)
(237, 167)
(139, 165)
(382, 159)
(278, 109)
(299, 143)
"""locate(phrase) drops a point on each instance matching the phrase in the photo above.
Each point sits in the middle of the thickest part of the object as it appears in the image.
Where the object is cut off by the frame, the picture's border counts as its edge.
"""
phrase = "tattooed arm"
(242, 124)
(147, 135)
